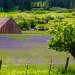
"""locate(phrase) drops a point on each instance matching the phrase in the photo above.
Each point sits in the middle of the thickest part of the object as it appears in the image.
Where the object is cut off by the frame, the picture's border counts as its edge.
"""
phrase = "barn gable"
(3, 21)
(9, 26)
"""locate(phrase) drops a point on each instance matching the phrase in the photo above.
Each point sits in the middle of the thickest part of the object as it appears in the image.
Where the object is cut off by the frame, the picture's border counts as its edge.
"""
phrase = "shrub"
(24, 24)
(41, 27)
(47, 18)
(44, 19)
(68, 15)
(71, 10)
(20, 23)
(33, 23)
(41, 21)
(73, 13)
(39, 11)
(58, 9)
(59, 18)
(50, 17)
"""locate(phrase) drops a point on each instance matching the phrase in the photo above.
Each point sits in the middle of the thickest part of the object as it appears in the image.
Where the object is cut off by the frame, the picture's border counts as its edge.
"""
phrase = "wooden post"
(66, 65)
(0, 64)
(50, 64)
(26, 68)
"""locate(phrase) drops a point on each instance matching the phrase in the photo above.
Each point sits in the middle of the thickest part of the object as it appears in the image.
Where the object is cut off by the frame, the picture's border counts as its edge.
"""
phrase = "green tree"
(63, 37)
(1, 5)
(24, 24)
(5, 5)
(33, 23)
(9, 5)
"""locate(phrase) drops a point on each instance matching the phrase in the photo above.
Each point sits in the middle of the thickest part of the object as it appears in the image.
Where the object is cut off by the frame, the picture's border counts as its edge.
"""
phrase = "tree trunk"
(72, 53)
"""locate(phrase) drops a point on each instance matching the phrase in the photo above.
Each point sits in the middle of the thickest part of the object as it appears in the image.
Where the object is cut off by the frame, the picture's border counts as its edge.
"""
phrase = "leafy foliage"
(33, 23)
(24, 24)
(58, 9)
(63, 37)
(41, 27)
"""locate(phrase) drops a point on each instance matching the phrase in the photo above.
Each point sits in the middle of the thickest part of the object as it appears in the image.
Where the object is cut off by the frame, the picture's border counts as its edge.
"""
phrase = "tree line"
(10, 5)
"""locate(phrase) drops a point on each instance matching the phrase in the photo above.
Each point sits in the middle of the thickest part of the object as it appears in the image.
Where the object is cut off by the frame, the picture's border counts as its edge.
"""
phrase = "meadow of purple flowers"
(10, 43)
(31, 50)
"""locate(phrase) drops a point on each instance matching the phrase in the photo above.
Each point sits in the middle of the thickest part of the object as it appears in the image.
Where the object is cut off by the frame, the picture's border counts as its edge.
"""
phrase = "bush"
(39, 11)
(73, 13)
(20, 23)
(41, 27)
(59, 19)
(33, 23)
(58, 9)
(41, 21)
(44, 19)
(47, 18)
(24, 24)
(50, 17)
(68, 15)
(71, 10)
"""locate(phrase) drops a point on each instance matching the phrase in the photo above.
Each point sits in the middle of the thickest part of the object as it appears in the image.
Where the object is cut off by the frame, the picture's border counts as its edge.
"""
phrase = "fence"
(0, 64)
(49, 65)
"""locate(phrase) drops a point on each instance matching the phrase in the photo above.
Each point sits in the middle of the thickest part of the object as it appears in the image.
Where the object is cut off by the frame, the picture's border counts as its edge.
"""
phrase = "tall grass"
(37, 69)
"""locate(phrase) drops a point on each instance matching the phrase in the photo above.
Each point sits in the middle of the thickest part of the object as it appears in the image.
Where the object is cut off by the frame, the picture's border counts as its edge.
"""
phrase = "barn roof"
(3, 21)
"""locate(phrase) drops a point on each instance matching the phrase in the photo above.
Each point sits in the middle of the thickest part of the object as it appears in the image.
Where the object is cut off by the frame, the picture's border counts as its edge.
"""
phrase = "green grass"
(35, 32)
(26, 34)
(37, 69)
(10, 67)
(17, 36)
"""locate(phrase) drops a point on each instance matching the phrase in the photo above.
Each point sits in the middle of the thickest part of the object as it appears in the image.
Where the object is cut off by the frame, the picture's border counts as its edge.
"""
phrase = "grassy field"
(26, 34)
(14, 62)
(31, 47)
(35, 54)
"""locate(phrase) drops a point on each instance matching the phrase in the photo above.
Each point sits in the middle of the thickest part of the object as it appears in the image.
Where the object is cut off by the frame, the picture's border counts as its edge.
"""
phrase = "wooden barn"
(9, 26)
